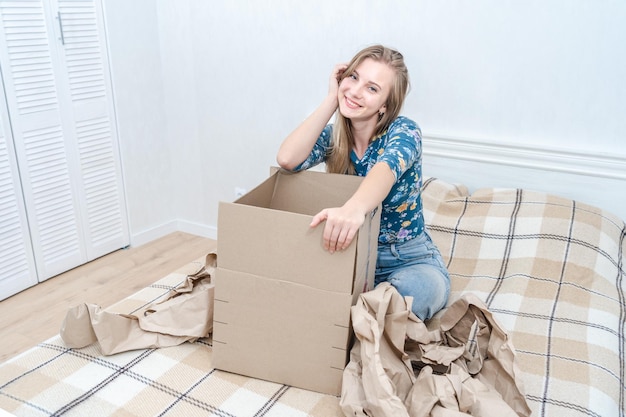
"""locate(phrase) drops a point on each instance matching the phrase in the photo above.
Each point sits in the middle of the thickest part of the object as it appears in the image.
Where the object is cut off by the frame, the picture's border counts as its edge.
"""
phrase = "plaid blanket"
(52, 380)
(550, 269)
(552, 272)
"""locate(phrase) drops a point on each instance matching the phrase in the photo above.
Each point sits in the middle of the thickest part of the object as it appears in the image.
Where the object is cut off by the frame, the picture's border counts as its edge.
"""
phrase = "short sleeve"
(320, 150)
(404, 146)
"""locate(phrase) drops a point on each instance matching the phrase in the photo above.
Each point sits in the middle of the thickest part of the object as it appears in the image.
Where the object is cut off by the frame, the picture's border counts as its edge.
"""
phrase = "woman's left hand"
(342, 225)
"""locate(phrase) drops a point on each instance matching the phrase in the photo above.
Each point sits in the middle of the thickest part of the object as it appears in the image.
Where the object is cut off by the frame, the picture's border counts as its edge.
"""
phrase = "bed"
(550, 269)
(552, 272)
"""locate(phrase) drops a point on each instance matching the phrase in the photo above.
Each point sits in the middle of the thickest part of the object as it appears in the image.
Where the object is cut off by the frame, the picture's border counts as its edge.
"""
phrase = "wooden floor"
(35, 315)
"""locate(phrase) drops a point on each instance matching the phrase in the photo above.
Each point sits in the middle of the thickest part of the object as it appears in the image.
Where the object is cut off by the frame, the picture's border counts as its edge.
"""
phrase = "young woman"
(369, 138)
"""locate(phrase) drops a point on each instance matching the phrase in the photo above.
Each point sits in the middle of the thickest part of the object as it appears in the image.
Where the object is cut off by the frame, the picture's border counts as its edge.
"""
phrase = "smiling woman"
(364, 92)
(369, 138)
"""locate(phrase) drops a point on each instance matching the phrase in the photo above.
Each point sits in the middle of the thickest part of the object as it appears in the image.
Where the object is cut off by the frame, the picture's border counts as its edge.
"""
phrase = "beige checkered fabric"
(552, 272)
(52, 380)
(550, 269)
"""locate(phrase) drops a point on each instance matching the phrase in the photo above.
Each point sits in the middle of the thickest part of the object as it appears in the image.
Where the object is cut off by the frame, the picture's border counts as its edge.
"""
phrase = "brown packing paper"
(391, 342)
(378, 372)
(454, 394)
(185, 314)
(489, 354)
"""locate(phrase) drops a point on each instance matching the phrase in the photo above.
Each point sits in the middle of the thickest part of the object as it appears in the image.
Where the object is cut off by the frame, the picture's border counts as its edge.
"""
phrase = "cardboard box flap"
(311, 192)
(280, 245)
(289, 369)
(253, 300)
(266, 232)
(281, 331)
(259, 196)
(367, 253)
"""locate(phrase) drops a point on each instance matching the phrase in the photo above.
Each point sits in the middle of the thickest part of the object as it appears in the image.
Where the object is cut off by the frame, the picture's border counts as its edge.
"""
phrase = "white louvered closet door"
(30, 74)
(83, 55)
(16, 256)
(52, 62)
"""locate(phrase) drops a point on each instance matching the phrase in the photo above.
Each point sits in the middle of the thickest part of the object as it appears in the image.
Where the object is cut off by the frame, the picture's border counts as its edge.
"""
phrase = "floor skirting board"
(178, 225)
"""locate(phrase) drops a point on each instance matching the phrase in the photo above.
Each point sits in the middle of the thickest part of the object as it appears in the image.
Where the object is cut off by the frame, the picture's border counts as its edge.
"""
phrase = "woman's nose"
(356, 89)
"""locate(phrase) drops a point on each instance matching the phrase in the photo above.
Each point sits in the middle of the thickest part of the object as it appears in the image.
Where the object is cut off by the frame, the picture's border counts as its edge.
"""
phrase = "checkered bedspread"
(550, 269)
(52, 380)
(552, 272)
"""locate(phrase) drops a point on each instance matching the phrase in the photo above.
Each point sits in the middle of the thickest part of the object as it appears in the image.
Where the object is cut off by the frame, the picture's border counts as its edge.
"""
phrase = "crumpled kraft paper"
(399, 368)
(185, 314)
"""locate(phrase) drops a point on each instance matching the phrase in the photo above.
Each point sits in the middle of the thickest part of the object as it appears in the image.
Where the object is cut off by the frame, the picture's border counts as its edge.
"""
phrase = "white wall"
(206, 91)
(149, 165)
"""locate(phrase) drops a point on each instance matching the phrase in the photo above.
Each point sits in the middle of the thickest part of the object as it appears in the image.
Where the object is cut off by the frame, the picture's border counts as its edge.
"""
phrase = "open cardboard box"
(282, 302)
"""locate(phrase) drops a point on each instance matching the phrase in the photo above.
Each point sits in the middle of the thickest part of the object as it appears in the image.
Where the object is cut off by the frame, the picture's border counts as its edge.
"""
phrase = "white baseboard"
(594, 178)
(198, 229)
(140, 238)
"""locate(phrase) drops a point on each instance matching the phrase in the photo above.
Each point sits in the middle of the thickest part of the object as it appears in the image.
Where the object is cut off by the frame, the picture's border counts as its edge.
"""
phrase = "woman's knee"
(429, 290)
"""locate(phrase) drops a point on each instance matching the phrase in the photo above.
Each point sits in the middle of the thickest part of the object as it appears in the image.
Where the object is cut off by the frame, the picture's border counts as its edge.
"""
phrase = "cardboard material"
(282, 303)
(465, 368)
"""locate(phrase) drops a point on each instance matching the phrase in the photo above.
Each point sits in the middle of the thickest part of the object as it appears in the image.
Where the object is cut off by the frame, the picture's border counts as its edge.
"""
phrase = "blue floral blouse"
(400, 147)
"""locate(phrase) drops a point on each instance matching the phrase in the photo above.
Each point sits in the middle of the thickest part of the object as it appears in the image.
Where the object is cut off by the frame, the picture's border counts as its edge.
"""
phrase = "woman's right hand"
(298, 145)
(333, 85)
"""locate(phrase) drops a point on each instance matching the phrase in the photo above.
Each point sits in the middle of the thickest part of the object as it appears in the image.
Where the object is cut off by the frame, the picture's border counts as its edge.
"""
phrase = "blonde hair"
(338, 160)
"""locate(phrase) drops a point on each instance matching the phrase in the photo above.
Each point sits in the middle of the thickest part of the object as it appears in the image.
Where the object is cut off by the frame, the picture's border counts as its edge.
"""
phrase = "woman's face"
(362, 95)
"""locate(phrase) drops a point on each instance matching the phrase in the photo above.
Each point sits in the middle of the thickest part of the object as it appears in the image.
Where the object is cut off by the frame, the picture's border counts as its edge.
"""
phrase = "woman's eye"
(353, 76)
(373, 89)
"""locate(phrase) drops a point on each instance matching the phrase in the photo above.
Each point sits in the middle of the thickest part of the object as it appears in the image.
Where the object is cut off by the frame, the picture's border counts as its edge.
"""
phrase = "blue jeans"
(415, 268)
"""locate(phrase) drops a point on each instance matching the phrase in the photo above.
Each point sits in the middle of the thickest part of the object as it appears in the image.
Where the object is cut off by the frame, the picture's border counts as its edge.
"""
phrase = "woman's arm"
(298, 145)
(342, 223)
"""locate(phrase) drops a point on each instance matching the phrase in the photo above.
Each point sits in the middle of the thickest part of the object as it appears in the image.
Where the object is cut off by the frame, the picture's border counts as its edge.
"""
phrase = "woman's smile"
(352, 104)
(362, 94)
